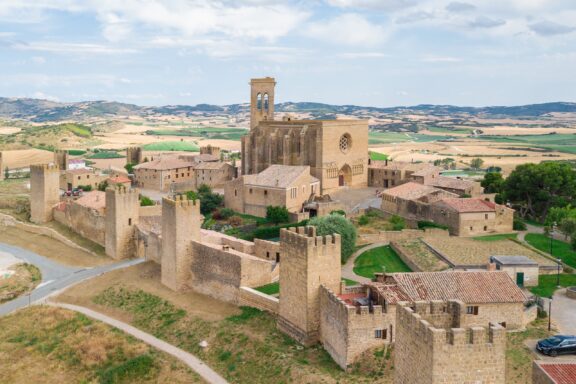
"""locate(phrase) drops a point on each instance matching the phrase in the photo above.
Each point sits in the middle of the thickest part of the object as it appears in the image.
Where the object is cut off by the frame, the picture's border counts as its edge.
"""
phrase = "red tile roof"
(410, 190)
(464, 205)
(119, 180)
(561, 373)
(94, 199)
(469, 287)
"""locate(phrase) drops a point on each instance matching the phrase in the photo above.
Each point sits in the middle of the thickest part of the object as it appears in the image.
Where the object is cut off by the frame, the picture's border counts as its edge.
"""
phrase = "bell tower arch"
(261, 100)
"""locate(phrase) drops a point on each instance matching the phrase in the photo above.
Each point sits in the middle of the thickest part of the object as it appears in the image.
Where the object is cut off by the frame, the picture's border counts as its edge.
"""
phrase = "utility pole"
(549, 314)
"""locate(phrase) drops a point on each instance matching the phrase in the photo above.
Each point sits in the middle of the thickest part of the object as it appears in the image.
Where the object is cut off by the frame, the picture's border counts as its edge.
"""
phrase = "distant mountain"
(46, 111)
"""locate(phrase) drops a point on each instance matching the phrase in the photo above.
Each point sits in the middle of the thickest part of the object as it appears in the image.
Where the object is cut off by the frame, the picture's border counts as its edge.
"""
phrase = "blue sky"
(363, 52)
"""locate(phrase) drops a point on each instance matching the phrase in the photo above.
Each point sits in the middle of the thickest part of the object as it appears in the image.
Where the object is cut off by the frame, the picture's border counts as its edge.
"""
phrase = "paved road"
(564, 312)
(192, 361)
(55, 276)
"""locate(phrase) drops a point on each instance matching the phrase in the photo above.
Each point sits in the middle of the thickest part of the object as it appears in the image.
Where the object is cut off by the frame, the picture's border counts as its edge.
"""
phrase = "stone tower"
(210, 150)
(308, 261)
(261, 100)
(122, 214)
(44, 192)
(134, 155)
(1, 168)
(61, 159)
(180, 226)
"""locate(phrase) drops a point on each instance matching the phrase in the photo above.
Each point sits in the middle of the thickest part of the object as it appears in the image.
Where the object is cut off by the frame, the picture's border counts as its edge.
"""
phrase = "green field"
(438, 129)
(105, 155)
(269, 289)
(378, 156)
(379, 260)
(399, 137)
(556, 142)
(172, 146)
(462, 173)
(205, 132)
(560, 249)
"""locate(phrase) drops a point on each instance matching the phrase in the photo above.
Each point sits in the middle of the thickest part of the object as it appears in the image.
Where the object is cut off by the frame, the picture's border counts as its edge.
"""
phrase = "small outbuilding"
(523, 270)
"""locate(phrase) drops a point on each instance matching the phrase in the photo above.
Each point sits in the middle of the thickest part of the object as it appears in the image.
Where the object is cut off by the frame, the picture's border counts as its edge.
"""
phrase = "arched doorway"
(345, 175)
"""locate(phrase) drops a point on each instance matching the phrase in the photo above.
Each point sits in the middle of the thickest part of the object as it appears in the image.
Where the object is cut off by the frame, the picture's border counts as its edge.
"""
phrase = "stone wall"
(538, 374)
(151, 210)
(122, 216)
(405, 234)
(268, 250)
(85, 221)
(252, 298)
(44, 192)
(428, 354)
(531, 273)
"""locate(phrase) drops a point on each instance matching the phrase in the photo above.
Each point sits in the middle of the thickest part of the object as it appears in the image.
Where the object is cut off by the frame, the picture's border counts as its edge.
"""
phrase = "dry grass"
(420, 255)
(51, 345)
(25, 278)
(244, 345)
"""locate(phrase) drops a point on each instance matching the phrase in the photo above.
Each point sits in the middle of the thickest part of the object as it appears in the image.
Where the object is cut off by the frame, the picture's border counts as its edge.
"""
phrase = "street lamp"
(558, 274)
(549, 313)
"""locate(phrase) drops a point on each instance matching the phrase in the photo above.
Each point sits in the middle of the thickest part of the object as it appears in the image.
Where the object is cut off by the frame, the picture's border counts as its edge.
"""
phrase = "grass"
(552, 142)
(501, 236)
(105, 155)
(378, 156)
(56, 345)
(244, 348)
(378, 260)
(204, 132)
(547, 284)
(349, 282)
(439, 129)
(172, 146)
(25, 278)
(269, 289)
(397, 137)
(560, 249)
(76, 152)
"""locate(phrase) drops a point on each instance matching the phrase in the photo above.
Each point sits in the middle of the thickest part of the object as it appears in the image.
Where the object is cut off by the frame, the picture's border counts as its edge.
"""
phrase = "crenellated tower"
(61, 159)
(180, 226)
(308, 262)
(44, 192)
(122, 214)
(134, 155)
(261, 100)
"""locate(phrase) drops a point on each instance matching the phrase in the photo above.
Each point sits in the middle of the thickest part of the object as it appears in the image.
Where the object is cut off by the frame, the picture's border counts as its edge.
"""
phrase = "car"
(557, 345)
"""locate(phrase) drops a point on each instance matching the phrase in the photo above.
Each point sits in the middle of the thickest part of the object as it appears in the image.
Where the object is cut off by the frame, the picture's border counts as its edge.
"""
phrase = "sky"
(365, 52)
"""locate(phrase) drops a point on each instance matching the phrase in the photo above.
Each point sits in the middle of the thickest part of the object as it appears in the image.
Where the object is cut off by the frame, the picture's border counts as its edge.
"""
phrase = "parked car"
(557, 345)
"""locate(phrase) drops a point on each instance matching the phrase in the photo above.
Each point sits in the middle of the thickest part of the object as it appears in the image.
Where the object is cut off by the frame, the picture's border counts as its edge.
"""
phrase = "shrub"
(226, 213)
(338, 212)
(277, 214)
(85, 188)
(145, 201)
(271, 232)
(518, 225)
(209, 201)
(331, 224)
(363, 220)
(129, 167)
(235, 221)
(397, 222)
(102, 186)
(429, 224)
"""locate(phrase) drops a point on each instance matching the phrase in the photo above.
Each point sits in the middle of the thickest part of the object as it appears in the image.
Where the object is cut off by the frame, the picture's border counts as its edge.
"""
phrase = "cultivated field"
(462, 251)
(420, 255)
(24, 158)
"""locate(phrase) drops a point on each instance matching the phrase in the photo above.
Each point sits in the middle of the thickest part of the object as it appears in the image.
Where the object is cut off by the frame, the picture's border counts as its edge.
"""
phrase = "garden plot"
(469, 252)
(420, 255)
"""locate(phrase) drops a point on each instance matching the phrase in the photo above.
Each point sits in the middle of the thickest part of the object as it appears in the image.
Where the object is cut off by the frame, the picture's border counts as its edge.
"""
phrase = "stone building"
(463, 216)
(278, 185)
(160, 174)
(44, 192)
(61, 159)
(213, 174)
(85, 216)
(74, 178)
(210, 150)
(134, 155)
(523, 270)
(553, 372)
(335, 150)
(389, 174)
(458, 186)
(436, 344)
(122, 216)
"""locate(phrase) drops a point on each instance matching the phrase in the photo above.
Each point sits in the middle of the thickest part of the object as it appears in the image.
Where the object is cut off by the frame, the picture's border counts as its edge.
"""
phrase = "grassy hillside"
(172, 146)
(49, 136)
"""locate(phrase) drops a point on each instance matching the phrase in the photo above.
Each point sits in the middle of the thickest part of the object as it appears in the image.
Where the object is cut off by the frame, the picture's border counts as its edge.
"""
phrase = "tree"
(85, 188)
(536, 188)
(331, 224)
(209, 201)
(476, 163)
(493, 182)
(145, 201)
(103, 185)
(397, 222)
(277, 214)
(6, 173)
(129, 167)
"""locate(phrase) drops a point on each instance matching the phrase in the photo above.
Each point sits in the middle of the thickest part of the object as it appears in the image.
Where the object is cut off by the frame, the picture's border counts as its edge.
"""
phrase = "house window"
(235, 192)
(486, 216)
(485, 228)
(380, 333)
(277, 257)
(265, 192)
(250, 190)
(471, 228)
(130, 221)
(87, 176)
(267, 254)
(472, 310)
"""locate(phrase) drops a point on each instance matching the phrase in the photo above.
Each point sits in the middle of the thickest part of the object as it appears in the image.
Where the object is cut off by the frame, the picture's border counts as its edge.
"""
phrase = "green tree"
(277, 214)
(103, 185)
(331, 224)
(476, 163)
(493, 182)
(145, 201)
(397, 222)
(536, 188)
(129, 167)
(85, 188)
(209, 201)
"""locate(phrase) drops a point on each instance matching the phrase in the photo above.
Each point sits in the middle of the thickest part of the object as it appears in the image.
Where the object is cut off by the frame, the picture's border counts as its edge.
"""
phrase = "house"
(160, 174)
(287, 186)
(388, 174)
(554, 372)
(523, 270)
(81, 177)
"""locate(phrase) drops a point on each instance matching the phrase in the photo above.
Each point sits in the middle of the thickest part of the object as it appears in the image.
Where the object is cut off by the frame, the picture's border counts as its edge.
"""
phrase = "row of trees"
(534, 190)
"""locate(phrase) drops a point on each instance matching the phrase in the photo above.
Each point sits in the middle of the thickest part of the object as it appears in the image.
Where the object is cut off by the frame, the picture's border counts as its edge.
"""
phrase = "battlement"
(41, 168)
(305, 237)
(353, 310)
(494, 334)
(181, 201)
(120, 189)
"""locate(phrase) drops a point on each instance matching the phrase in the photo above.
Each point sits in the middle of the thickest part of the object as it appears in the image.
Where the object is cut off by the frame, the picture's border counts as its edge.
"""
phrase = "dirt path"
(192, 361)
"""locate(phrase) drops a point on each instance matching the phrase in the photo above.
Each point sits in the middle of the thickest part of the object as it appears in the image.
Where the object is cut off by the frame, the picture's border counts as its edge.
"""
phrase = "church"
(335, 150)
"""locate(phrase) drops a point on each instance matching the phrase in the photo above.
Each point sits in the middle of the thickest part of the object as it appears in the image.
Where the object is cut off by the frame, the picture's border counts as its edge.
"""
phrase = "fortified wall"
(433, 347)
(44, 192)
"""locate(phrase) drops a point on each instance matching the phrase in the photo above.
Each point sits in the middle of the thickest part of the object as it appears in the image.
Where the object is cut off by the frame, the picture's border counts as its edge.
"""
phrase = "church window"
(266, 102)
(345, 143)
(259, 101)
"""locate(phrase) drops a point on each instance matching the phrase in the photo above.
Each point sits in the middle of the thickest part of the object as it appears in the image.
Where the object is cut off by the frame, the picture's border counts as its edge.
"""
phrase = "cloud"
(414, 17)
(550, 28)
(373, 4)
(458, 7)
(486, 22)
(66, 48)
(38, 60)
(347, 29)
(361, 55)
(440, 59)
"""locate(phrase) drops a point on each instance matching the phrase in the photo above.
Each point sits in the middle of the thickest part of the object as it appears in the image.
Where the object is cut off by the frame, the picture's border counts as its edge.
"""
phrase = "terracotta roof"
(469, 287)
(560, 373)
(452, 183)
(278, 176)
(410, 191)
(94, 199)
(464, 205)
(165, 163)
(119, 180)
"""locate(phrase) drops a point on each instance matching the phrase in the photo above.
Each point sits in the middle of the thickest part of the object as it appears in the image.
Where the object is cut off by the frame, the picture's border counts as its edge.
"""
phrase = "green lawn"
(269, 289)
(172, 146)
(559, 248)
(377, 260)
(501, 236)
(378, 156)
(105, 155)
(350, 282)
(547, 284)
